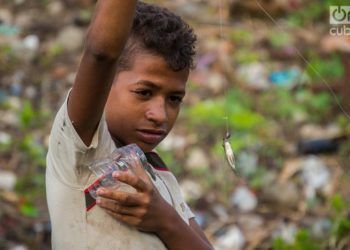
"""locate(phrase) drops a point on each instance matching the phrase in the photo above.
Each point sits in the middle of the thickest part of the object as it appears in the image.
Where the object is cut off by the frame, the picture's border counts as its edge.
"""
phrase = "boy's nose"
(157, 112)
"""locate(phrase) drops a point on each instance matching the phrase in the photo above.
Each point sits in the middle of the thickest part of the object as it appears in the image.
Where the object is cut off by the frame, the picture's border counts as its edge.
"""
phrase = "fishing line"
(230, 157)
(221, 37)
(306, 61)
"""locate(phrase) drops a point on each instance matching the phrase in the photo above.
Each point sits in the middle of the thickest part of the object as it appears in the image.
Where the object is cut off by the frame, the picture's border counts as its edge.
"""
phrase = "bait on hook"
(230, 157)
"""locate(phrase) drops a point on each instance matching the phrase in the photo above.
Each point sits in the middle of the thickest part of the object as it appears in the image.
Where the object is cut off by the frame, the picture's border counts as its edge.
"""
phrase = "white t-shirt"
(67, 176)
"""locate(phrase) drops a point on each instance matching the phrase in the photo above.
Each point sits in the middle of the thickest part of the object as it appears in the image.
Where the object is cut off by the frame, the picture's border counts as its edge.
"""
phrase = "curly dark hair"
(158, 31)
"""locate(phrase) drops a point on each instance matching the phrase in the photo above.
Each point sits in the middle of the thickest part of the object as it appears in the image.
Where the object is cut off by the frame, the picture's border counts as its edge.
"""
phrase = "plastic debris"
(201, 218)
(321, 228)
(5, 138)
(249, 161)
(318, 139)
(315, 175)
(18, 247)
(205, 61)
(7, 180)
(71, 38)
(286, 231)
(250, 222)
(244, 199)
(255, 75)
(55, 8)
(16, 89)
(216, 82)
(31, 42)
(281, 194)
(9, 30)
(16, 86)
(197, 159)
(285, 78)
(3, 96)
(314, 131)
(221, 212)
(173, 142)
(318, 146)
(191, 189)
(233, 239)
(5, 16)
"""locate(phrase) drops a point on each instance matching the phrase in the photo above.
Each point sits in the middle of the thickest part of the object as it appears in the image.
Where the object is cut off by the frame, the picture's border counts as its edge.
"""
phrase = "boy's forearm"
(177, 235)
(106, 38)
(110, 27)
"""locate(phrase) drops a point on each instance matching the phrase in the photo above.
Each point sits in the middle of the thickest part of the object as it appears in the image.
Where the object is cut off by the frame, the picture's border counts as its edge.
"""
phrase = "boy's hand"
(145, 209)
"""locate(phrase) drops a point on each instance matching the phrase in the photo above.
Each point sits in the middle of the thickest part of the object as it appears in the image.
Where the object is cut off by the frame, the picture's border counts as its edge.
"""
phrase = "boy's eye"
(175, 99)
(143, 93)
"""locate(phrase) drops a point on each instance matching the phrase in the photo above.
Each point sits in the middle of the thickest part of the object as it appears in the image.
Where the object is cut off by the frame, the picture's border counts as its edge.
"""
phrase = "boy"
(128, 89)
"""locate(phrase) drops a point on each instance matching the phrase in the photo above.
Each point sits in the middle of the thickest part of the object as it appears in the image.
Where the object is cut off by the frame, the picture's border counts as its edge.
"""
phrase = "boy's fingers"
(138, 168)
(131, 180)
(116, 207)
(124, 198)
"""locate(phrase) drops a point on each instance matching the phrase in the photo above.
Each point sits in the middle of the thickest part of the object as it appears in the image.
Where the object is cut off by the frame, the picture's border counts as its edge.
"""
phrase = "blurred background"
(276, 72)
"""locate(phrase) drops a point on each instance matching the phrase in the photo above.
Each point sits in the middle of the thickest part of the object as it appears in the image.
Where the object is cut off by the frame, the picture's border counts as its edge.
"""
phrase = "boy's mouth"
(151, 136)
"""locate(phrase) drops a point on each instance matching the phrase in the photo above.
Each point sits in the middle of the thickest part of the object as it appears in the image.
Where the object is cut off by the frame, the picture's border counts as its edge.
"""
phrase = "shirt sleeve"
(180, 204)
(68, 156)
(188, 212)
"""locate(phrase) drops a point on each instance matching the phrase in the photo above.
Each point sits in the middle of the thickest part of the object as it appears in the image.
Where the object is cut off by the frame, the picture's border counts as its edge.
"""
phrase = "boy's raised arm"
(105, 40)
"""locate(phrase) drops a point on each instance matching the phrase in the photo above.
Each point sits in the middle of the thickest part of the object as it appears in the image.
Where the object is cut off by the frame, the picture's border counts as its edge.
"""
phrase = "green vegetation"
(302, 242)
(328, 69)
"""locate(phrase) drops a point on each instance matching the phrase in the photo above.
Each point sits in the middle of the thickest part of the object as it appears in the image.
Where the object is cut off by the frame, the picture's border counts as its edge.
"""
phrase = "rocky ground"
(270, 70)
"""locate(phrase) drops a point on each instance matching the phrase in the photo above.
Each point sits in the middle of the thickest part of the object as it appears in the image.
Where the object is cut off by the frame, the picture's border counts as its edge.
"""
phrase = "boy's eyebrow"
(156, 87)
(148, 84)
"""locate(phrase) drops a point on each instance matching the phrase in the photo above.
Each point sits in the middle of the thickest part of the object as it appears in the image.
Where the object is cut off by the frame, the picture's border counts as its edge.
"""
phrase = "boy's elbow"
(101, 49)
(101, 53)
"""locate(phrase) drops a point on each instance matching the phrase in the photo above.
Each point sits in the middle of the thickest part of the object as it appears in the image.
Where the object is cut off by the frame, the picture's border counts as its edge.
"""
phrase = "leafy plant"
(302, 241)
(29, 117)
(5, 142)
(280, 39)
(246, 56)
(242, 36)
(341, 225)
(27, 114)
(236, 108)
(171, 162)
(29, 210)
(329, 69)
(311, 12)
(52, 53)
(318, 105)
(257, 181)
(8, 58)
(34, 150)
(210, 112)
(242, 119)
(280, 104)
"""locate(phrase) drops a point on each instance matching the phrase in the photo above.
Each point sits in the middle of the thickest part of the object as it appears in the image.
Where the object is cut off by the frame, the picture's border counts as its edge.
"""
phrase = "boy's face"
(144, 101)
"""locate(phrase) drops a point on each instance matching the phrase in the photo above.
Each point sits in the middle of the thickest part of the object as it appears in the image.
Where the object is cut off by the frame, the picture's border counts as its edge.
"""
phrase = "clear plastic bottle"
(122, 159)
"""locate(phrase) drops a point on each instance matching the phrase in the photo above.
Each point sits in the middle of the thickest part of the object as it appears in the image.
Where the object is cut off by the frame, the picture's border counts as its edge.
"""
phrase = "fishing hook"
(230, 157)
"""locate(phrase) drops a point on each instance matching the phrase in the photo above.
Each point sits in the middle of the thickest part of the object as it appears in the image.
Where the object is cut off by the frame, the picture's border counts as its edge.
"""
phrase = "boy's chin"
(146, 147)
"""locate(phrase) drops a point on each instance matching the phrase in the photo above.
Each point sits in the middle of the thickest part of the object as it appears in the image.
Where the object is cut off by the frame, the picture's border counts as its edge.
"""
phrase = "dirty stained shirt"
(68, 175)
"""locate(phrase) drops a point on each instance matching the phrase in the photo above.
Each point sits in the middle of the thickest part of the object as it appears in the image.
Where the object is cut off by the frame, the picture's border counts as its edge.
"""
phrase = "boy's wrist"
(169, 223)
